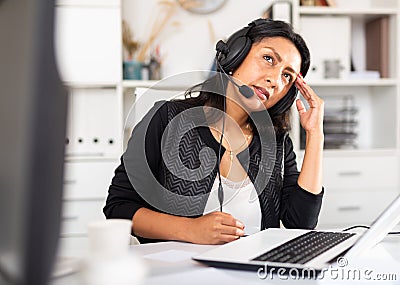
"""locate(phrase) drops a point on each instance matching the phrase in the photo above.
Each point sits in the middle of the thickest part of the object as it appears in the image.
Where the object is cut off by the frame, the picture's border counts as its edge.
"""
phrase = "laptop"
(301, 249)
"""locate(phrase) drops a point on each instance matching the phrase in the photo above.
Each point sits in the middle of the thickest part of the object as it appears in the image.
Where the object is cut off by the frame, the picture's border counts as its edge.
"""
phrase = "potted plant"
(132, 68)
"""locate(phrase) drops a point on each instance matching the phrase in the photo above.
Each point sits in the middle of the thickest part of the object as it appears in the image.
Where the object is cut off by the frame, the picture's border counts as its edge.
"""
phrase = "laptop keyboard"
(304, 247)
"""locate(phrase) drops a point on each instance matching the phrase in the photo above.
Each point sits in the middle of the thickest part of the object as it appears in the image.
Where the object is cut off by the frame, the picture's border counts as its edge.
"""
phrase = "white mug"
(111, 261)
(109, 237)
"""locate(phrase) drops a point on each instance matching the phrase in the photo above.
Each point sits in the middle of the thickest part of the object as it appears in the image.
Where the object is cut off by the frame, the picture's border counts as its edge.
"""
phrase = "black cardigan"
(171, 175)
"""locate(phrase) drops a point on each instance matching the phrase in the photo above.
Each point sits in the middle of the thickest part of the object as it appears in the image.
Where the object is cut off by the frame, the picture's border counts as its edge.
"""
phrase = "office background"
(361, 162)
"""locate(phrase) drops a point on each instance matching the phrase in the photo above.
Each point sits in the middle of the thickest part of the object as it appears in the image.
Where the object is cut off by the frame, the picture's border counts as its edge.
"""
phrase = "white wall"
(190, 46)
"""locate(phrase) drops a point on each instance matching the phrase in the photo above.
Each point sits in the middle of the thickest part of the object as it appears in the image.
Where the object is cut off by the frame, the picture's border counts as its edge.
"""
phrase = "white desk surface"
(171, 263)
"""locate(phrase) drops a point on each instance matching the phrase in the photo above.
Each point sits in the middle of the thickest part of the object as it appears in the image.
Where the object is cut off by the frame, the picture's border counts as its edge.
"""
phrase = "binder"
(377, 45)
(94, 127)
(321, 3)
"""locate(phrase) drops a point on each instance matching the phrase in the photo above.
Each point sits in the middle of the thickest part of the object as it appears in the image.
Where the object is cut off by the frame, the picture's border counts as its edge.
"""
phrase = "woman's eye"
(288, 77)
(268, 58)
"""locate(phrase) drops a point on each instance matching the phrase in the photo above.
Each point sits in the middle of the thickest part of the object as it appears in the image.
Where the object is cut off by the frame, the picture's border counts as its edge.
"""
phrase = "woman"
(214, 175)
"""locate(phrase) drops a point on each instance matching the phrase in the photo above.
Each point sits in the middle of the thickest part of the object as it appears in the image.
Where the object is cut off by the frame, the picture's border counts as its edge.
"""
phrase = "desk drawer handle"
(349, 208)
(91, 154)
(350, 173)
(70, 182)
(70, 218)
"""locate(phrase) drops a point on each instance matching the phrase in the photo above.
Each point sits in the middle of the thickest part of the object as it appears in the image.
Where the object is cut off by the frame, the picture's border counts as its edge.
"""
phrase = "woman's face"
(270, 69)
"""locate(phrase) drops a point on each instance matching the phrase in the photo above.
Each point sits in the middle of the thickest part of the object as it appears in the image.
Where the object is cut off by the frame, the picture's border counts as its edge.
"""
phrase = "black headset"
(232, 53)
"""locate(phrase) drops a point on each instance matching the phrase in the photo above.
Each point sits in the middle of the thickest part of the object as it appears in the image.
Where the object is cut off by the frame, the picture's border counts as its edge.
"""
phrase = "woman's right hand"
(215, 228)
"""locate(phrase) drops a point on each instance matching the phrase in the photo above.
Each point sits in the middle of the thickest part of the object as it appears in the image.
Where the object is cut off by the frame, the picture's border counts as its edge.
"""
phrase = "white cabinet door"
(78, 214)
(357, 189)
(88, 42)
(345, 209)
(86, 186)
(378, 173)
(88, 179)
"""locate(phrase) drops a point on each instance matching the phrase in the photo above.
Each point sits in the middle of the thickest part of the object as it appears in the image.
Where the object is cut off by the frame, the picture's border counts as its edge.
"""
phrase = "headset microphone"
(245, 90)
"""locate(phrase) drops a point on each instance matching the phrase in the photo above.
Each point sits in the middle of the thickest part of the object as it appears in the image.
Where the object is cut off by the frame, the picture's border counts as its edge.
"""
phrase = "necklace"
(246, 141)
(232, 151)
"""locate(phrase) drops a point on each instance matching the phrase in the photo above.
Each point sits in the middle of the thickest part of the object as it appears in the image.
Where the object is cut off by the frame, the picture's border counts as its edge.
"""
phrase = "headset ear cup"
(222, 50)
(238, 50)
(285, 103)
(232, 53)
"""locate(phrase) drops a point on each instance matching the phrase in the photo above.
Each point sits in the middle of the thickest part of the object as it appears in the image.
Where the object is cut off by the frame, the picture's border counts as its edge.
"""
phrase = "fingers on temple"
(304, 89)
(300, 106)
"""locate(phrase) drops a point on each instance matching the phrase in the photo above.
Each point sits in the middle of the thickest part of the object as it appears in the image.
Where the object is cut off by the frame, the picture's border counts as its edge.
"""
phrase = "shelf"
(177, 82)
(353, 82)
(99, 198)
(138, 83)
(155, 84)
(356, 152)
(353, 12)
(89, 3)
(93, 157)
(360, 152)
(82, 85)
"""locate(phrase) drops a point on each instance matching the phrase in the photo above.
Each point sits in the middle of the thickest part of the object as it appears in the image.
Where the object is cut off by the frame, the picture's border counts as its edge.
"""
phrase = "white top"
(240, 200)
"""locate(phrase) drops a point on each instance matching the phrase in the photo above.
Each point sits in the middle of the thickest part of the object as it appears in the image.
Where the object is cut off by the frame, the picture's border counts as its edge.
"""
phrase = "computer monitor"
(32, 133)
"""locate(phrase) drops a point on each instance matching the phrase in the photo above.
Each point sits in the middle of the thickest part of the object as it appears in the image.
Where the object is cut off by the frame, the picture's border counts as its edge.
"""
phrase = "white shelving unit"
(361, 181)
(89, 54)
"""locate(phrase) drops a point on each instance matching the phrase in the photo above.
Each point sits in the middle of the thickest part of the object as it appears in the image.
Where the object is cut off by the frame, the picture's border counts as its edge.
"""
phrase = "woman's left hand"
(312, 119)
